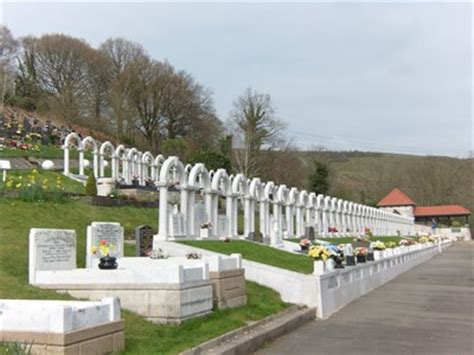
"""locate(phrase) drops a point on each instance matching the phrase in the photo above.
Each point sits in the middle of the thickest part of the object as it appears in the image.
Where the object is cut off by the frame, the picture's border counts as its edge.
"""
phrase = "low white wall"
(331, 291)
(56, 316)
(342, 286)
(455, 232)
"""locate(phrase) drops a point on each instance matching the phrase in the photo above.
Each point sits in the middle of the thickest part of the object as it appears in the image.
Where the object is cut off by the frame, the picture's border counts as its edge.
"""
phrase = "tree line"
(119, 89)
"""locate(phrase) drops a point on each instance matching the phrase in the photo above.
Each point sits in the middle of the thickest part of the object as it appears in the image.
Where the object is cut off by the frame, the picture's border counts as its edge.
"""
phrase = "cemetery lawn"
(257, 252)
(69, 185)
(45, 152)
(143, 337)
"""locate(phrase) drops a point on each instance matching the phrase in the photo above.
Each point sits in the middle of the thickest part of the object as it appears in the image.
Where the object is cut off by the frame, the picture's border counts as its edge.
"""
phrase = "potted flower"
(338, 256)
(205, 230)
(361, 254)
(390, 248)
(305, 244)
(319, 254)
(347, 253)
(378, 248)
(423, 240)
(104, 248)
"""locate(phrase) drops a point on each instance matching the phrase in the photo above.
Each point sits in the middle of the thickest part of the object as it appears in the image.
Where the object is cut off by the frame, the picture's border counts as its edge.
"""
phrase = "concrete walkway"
(427, 310)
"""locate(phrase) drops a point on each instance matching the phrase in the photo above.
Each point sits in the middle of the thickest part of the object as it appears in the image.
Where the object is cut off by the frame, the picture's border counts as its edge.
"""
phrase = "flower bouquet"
(305, 244)
(319, 254)
(423, 240)
(104, 248)
(378, 248)
(361, 254)
(205, 230)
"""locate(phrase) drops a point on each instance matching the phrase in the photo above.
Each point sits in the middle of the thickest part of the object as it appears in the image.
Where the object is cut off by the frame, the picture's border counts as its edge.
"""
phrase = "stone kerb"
(111, 232)
(342, 286)
(228, 281)
(63, 327)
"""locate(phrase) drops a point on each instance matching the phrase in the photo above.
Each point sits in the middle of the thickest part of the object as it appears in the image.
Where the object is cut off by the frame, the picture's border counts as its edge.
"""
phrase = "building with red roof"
(398, 202)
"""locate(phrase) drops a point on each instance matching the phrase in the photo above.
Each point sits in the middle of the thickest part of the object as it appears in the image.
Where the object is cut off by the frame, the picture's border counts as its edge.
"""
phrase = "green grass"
(142, 337)
(259, 253)
(69, 185)
(45, 152)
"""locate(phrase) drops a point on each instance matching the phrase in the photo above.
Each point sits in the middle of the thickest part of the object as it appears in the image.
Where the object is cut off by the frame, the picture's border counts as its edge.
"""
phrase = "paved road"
(427, 310)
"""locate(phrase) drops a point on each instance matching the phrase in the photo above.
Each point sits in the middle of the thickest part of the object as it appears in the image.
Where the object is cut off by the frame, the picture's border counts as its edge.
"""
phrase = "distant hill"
(368, 177)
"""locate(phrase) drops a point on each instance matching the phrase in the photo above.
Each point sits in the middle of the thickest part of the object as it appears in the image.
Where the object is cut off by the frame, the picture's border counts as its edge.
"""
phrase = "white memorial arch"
(282, 211)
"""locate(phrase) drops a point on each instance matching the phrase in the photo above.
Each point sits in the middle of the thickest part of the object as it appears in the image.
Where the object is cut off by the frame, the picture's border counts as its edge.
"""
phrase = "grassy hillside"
(368, 177)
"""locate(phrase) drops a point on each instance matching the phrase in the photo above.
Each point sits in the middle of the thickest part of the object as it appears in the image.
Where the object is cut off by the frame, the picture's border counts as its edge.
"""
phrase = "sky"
(391, 77)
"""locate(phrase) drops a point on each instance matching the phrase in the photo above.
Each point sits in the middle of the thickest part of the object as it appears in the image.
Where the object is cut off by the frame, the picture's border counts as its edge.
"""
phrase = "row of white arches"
(282, 211)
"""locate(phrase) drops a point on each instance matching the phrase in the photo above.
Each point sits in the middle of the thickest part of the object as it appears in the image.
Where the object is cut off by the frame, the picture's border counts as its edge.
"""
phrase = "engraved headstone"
(51, 249)
(143, 240)
(176, 225)
(111, 232)
(222, 226)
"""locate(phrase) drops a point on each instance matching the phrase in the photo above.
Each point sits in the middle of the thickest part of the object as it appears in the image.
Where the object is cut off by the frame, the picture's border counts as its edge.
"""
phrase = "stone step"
(251, 337)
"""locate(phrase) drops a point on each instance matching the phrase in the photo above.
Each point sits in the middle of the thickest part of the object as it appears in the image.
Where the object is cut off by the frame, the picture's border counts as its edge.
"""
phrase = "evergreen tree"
(91, 187)
(319, 179)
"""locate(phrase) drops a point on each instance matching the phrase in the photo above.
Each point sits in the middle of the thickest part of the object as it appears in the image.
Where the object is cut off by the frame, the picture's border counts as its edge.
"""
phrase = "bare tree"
(62, 65)
(122, 56)
(255, 127)
(147, 94)
(8, 50)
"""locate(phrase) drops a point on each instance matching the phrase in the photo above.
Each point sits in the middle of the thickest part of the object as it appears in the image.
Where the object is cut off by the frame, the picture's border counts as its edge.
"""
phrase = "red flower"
(103, 242)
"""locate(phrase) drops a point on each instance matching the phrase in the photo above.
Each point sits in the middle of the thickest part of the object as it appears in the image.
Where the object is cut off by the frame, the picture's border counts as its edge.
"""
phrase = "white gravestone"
(222, 226)
(111, 232)
(276, 235)
(51, 249)
(176, 225)
(200, 216)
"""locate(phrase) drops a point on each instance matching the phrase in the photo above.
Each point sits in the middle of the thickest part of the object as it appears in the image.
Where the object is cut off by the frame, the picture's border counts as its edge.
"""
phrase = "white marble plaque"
(176, 226)
(51, 249)
(222, 226)
(112, 232)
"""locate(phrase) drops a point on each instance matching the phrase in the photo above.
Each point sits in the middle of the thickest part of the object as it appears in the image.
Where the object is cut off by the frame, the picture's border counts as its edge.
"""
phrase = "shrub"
(212, 160)
(91, 186)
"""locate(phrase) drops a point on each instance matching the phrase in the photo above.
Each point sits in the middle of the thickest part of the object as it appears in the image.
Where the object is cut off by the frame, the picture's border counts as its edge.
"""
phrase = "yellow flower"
(18, 185)
(34, 171)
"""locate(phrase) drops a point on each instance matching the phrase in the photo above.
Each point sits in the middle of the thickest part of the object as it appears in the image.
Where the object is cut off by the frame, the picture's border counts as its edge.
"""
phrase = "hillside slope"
(428, 180)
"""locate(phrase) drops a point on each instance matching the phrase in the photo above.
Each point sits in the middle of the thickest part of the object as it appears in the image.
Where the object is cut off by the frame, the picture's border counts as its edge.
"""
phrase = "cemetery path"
(427, 310)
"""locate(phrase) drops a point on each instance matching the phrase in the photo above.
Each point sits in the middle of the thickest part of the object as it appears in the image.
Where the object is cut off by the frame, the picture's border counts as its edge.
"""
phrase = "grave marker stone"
(176, 225)
(51, 249)
(309, 233)
(200, 216)
(111, 232)
(222, 226)
(143, 240)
